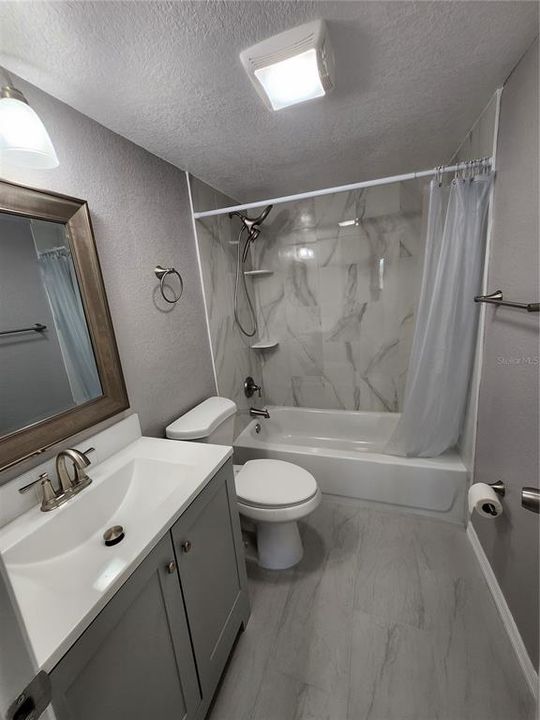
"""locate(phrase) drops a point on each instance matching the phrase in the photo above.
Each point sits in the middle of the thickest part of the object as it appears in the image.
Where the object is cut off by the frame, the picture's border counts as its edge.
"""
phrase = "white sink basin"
(125, 497)
(61, 571)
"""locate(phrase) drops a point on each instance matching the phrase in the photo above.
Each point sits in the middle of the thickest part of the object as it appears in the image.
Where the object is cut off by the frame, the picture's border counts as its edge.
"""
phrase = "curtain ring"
(161, 273)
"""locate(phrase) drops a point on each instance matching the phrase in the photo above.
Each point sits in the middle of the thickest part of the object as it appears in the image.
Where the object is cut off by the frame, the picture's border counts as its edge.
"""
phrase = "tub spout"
(255, 412)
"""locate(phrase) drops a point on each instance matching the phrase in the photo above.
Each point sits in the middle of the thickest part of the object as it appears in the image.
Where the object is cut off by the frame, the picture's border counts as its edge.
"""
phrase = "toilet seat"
(274, 484)
(275, 491)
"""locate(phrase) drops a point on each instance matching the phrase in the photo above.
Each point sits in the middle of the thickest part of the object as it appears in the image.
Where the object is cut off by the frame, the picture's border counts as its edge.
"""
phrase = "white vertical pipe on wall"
(199, 263)
(468, 444)
(489, 236)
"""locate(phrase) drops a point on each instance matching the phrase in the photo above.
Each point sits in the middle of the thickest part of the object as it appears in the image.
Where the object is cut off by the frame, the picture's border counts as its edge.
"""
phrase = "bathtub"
(344, 451)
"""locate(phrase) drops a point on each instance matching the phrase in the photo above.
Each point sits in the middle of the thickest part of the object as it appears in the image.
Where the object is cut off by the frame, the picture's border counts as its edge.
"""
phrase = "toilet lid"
(274, 483)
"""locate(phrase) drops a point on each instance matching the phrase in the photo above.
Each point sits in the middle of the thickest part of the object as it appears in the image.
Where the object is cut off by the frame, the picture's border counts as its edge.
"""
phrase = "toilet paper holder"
(486, 502)
(499, 487)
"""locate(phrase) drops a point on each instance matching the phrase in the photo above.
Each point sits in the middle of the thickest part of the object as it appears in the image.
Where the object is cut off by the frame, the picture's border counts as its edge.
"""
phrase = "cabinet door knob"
(186, 546)
(171, 567)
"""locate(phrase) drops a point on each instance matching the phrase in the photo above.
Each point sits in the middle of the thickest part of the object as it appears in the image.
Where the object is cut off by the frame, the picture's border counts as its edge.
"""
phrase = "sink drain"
(113, 535)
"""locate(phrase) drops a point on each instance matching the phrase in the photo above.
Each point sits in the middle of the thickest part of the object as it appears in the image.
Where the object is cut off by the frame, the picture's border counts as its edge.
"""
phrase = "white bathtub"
(343, 450)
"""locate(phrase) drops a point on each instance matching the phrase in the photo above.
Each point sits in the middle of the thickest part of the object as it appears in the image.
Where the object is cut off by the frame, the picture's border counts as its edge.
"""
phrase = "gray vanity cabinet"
(135, 660)
(208, 545)
(159, 647)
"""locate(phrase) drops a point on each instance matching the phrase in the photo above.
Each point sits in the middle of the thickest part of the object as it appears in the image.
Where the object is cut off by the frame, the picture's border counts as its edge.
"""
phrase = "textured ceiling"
(411, 79)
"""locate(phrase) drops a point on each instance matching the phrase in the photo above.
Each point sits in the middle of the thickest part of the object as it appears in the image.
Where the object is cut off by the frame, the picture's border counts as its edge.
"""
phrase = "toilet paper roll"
(485, 501)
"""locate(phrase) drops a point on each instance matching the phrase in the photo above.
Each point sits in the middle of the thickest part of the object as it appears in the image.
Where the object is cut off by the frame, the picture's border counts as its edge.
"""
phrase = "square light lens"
(292, 81)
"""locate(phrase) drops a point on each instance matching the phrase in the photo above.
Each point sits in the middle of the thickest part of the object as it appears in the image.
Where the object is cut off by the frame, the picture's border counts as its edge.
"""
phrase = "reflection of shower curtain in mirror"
(62, 289)
(443, 347)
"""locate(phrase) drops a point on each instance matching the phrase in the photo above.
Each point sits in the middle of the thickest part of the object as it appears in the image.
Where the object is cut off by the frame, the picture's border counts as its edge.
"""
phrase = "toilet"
(272, 494)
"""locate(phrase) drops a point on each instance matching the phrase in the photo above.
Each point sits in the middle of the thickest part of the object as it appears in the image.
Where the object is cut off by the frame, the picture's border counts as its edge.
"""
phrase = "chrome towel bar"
(497, 298)
(38, 327)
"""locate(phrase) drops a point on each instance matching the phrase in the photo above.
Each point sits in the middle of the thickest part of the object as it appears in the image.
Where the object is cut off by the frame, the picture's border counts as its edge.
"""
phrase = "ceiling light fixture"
(347, 223)
(24, 141)
(292, 67)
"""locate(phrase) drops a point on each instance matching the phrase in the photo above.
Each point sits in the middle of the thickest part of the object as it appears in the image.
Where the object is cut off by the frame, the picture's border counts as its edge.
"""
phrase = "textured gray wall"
(507, 440)
(33, 380)
(141, 217)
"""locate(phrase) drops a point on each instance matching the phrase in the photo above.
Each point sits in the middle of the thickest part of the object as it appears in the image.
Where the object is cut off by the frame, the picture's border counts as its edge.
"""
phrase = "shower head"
(250, 223)
(262, 217)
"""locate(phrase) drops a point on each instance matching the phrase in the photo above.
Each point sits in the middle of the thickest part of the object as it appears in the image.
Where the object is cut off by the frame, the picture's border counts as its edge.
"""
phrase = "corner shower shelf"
(258, 273)
(265, 345)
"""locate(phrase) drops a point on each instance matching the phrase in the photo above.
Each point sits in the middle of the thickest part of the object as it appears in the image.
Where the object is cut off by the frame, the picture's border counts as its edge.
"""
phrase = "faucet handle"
(41, 479)
(251, 387)
(80, 474)
(86, 453)
(49, 498)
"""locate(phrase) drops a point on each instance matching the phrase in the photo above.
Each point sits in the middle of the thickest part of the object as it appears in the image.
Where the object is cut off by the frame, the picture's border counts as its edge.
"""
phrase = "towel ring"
(162, 273)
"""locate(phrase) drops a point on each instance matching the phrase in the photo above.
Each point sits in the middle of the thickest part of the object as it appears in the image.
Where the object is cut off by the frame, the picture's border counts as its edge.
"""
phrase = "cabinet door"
(135, 660)
(208, 545)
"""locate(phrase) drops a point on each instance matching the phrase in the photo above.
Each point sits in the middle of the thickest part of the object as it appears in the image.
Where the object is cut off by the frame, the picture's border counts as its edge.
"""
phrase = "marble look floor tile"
(387, 617)
(248, 663)
(393, 673)
(316, 650)
(389, 585)
(287, 698)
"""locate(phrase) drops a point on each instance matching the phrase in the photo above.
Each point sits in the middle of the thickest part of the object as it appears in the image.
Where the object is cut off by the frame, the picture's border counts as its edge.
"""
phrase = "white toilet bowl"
(275, 494)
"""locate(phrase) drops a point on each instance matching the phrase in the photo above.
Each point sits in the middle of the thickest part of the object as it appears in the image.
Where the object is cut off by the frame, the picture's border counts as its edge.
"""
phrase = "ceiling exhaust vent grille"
(295, 57)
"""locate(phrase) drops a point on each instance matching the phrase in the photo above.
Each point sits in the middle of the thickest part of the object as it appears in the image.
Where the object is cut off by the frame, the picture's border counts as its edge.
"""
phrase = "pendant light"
(24, 141)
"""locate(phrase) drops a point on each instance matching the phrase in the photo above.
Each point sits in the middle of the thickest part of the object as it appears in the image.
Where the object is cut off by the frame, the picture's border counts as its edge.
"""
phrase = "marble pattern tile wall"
(342, 299)
(233, 359)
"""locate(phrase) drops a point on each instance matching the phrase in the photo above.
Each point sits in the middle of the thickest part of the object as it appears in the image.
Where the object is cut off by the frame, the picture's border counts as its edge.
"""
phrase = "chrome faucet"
(255, 412)
(67, 487)
(80, 461)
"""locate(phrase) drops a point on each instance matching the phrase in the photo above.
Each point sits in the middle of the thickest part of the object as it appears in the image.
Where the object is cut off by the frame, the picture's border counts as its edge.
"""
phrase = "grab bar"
(38, 327)
(530, 499)
(497, 298)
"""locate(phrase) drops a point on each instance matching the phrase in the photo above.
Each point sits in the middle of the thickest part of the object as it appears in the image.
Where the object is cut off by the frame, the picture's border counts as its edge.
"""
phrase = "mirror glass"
(47, 363)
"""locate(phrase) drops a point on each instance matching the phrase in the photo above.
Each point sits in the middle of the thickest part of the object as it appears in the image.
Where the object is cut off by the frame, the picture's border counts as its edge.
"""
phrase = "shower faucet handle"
(251, 387)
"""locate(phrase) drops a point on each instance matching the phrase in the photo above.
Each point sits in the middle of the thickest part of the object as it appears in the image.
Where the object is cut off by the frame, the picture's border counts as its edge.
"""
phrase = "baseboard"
(509, 623)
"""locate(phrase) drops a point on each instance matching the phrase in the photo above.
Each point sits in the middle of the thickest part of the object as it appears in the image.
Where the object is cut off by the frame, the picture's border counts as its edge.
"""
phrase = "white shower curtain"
(443, 346)
(62, 289)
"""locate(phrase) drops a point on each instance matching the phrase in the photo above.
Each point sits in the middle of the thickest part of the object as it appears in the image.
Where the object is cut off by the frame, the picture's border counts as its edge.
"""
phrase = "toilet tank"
(212, 421)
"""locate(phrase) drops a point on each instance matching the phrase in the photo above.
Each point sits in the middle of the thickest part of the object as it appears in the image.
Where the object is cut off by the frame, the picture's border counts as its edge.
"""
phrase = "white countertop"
(62, 583)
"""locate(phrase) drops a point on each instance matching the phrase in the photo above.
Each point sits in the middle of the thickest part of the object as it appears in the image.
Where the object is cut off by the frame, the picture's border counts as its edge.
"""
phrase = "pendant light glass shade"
(24, 141)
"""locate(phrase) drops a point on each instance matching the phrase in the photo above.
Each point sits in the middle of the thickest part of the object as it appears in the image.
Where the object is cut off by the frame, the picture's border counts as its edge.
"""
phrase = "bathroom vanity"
(143, 628)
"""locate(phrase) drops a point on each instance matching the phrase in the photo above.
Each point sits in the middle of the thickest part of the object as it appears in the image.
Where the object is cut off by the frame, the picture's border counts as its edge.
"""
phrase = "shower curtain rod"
(344, 188)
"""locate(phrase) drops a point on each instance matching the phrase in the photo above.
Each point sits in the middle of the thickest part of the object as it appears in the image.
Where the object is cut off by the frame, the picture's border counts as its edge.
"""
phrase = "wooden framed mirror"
(60, 371)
